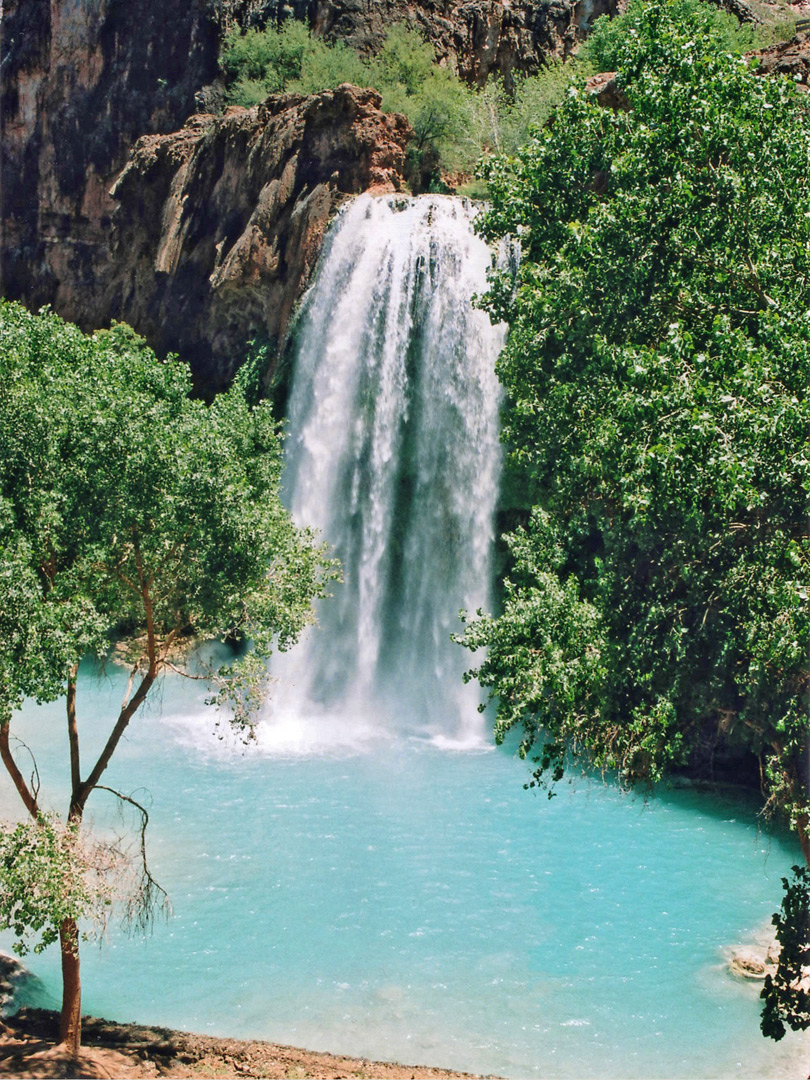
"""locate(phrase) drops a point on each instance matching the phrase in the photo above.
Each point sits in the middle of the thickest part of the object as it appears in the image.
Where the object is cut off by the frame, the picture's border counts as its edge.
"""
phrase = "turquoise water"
(398, 900)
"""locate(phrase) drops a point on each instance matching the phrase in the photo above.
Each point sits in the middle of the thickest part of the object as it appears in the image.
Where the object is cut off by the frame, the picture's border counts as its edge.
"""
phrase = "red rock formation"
(607, 91)
(219, 225)
(787, 58)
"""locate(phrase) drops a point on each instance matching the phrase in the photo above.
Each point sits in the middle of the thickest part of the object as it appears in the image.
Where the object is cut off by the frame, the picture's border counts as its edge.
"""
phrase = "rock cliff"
(474, 37)
(84, 79)
(219, 225)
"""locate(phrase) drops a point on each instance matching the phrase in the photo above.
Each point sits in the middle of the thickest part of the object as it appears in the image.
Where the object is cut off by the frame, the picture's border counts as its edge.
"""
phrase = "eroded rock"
(475, 38)
(219, 225)
(790, 58)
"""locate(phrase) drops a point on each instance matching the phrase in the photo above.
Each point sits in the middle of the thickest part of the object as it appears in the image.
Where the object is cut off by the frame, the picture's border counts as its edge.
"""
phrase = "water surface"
(399, 900)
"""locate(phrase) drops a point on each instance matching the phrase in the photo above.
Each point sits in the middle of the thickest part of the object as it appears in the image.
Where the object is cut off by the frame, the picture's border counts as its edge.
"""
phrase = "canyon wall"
(84, 79)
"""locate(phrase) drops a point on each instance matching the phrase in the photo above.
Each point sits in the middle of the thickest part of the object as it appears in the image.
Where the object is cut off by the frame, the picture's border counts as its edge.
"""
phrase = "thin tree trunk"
(73, 732)
(70, 1021)
(804, 837)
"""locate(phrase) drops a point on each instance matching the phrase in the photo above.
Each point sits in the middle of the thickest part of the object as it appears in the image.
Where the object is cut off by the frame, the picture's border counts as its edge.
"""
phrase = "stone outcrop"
(219, 225)
(753, 963)
(790, 58)
(607, 91)
(476, 38)
(81, 81)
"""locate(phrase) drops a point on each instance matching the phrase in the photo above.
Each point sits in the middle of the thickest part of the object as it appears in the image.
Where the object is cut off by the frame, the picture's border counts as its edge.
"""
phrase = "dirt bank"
(123, 1051)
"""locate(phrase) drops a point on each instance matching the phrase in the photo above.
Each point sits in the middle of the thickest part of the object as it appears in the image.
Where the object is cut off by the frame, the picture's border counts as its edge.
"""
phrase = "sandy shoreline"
(127, 1051)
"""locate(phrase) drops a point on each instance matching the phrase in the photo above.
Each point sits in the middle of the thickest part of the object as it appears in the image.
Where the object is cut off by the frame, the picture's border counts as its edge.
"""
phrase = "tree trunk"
(70, 1022)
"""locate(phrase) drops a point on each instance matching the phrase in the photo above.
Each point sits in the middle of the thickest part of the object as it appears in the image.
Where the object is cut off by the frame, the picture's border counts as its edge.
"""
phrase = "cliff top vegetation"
(456, 126)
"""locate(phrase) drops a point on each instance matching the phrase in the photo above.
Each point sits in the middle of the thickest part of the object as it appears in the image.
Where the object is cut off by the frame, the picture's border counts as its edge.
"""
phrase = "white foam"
(394, 456)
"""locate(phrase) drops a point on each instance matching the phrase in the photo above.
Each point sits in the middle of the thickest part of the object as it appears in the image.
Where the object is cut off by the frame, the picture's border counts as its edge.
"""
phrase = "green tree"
(657, 374)
(284, 59)
(436, 101)
(785, 994)
(262, 62)
(126, 508)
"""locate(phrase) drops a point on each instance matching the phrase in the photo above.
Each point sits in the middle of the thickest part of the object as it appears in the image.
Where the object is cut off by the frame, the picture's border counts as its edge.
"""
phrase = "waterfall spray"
(393, 455)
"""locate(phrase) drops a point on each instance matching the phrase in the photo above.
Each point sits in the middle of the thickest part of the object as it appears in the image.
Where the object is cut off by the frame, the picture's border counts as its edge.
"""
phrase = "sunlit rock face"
(201, 236)
(219, 225)
(787, 58)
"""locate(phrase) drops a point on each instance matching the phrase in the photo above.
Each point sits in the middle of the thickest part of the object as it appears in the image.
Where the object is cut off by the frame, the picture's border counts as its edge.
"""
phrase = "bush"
(262, 62)
(327, 66)
(657, 375)
(610, 39)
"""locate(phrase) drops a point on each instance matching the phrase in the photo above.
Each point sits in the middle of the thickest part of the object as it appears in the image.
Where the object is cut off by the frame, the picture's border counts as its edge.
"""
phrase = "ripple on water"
(412, 903)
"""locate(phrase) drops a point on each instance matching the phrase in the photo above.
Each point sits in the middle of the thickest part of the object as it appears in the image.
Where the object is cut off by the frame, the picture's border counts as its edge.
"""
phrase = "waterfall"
(393, 456)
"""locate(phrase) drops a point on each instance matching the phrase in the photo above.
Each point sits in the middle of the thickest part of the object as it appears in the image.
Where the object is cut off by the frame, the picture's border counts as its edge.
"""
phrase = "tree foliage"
(454, 125)
(657, 371)
(606, 44)
(290, 58)
(786, 994)
(127, 506)
(49, 873)
(286, 58)
(128, 510)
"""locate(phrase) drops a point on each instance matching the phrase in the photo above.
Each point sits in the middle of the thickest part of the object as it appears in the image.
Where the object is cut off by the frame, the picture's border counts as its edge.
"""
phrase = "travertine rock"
(219, 225)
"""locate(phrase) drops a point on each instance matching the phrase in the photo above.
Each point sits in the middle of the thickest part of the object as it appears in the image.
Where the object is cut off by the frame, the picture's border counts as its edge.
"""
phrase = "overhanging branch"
(142, 908)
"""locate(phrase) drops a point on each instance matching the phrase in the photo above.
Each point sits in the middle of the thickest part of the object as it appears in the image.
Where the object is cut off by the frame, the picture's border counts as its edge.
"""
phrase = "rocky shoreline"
(28, 1048)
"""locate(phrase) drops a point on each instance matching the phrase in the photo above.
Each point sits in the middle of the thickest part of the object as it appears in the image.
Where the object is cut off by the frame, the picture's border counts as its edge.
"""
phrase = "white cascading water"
(393, 456)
